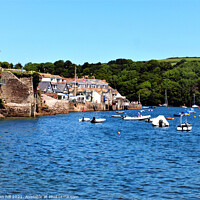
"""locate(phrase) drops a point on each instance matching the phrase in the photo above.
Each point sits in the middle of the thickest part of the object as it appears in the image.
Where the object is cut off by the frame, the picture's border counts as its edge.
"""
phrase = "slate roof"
(44, 86)
(60, 87)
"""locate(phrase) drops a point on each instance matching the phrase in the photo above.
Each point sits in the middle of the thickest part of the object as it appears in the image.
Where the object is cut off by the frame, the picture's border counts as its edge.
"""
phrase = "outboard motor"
(160, 123)
(93, 120)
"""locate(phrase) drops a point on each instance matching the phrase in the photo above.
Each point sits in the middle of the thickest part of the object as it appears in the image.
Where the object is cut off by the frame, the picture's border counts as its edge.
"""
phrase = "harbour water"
(58, 157)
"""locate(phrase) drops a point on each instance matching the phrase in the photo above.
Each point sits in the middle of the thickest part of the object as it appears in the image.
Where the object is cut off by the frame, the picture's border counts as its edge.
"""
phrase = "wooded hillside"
(148, 78)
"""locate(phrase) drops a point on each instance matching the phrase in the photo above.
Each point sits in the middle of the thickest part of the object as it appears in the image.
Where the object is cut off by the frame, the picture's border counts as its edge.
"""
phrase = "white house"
(52, 78)
(96, 97)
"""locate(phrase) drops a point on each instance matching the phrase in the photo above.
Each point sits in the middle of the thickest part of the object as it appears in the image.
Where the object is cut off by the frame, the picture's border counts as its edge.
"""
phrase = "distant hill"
(174, 60)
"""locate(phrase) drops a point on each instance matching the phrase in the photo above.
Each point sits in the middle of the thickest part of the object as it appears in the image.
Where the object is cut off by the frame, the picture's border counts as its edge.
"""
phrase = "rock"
(2, 116)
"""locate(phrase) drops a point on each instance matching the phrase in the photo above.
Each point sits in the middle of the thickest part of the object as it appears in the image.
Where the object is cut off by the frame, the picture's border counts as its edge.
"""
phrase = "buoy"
(118, 133)
(194, 116)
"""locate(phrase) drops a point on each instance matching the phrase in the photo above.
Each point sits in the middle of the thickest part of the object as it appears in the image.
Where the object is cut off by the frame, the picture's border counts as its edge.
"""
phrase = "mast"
(194, 100)
(75, 81)
(139, 99)
(166, 103)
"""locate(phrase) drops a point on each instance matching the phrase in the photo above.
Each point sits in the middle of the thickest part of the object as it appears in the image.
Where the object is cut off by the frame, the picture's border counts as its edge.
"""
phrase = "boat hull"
(160, 121)
(184, 127)
(119, 111)
(137, 118)
(84, 119)
(98, 120)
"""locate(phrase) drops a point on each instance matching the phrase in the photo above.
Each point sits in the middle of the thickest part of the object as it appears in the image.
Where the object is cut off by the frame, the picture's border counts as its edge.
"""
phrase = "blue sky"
(98, 30)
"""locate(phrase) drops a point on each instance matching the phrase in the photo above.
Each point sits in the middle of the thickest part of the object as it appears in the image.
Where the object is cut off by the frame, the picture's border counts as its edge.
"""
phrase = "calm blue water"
(58, 155)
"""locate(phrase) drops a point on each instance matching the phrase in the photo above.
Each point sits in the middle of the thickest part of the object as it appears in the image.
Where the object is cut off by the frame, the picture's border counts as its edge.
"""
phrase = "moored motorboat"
(191, 110)
(160, 121)
(136, 118)
(95, 120)
(116, 116)
(184, 127)
(84, 119)
(120, 111)
(184, 106)
(195, 106)
(145, 107)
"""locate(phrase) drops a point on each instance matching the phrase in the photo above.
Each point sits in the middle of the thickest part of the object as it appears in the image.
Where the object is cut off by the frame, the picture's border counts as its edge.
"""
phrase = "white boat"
(95, 120)
(137, 118)
(184, 126)
(194, 105)
(116, 116)
(120, 111)
(84, 119)
(145, 107)
(160, 121)
(191, 110)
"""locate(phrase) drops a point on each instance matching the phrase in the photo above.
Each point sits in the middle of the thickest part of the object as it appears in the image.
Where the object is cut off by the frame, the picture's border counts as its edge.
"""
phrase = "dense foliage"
(147, 78)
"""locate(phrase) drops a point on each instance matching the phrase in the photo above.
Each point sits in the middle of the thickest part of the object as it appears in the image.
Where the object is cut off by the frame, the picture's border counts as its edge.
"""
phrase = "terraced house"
(54, 86)
(82, 90)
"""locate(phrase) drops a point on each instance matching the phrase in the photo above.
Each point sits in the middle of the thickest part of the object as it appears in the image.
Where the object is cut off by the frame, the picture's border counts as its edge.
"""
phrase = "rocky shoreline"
(51, 106)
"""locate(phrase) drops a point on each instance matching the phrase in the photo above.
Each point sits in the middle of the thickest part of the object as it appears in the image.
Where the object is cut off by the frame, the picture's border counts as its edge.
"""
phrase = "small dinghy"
(84, 119)
(120, 111)
(94, 120)
(116, 116)
(191, 110)
(160, 121)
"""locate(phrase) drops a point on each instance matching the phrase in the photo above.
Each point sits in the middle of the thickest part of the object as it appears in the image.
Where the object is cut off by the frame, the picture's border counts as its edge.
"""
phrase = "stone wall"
(135, 106)
(51, 106)
(18, 95)
(87, 106)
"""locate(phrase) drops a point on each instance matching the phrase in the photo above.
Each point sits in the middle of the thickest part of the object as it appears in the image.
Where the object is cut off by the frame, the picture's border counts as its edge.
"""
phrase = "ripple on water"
(58, 155)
